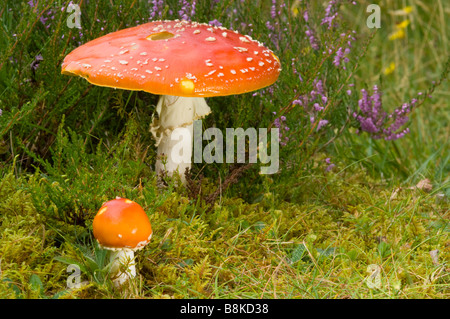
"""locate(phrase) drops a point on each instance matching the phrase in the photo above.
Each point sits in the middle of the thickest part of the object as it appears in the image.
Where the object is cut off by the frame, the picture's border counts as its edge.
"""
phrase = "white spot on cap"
(261, 63)
(196, 31)
(249, 59)
(244, 39)
(123, 62)
(233, 71)
(210, 39)
(224, 34)
(212, 72)
(107, 61)
(143, 53)
(157, 68)
(190, 76)
(148, 71)
(220, 74)
(241, 49)
(123, 51)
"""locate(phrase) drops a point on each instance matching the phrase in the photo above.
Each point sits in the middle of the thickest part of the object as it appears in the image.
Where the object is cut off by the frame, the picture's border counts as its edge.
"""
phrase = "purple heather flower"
(157, 9)
(312, 39)
(273, 9)
(215, 22)
(321, 124)
(43, 20)
(375, 121)
(187, 10)
(330, 165)
(317, 107)
(305, 16)
(280, 123)
(35, 63)
(330, 13)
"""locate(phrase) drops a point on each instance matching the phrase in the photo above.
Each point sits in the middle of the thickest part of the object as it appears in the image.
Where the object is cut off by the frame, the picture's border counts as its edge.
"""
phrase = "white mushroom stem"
(173, 132)
(123, 266)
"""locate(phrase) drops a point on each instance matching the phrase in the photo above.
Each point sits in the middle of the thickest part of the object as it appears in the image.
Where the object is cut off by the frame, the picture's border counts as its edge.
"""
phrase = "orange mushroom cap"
(179, 58)
(122, 223)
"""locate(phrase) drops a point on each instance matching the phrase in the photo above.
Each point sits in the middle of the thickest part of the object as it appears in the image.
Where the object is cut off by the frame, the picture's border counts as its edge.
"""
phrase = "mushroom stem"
(173, 132)
(123, 266)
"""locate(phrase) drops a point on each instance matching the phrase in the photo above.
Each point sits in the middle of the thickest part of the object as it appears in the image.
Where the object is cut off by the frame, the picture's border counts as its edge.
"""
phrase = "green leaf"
(298, 253)
(36, 283)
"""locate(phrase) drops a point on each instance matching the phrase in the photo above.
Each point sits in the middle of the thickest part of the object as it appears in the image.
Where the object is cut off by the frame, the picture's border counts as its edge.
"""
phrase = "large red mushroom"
(183, 62)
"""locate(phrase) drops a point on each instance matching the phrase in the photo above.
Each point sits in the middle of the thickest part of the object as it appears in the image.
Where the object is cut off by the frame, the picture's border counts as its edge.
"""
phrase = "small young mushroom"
(183, 62)
(123, 227)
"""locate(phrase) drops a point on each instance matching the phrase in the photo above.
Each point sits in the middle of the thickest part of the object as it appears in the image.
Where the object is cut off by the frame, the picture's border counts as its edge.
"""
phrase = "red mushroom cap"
(122, 223)
(179, 58)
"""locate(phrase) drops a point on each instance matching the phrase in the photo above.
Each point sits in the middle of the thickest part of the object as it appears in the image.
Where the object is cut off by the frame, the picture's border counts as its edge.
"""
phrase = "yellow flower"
(399, 34)
(403, 24)
(402, 12)
(294, 8)
(407, 9)
(389, 69)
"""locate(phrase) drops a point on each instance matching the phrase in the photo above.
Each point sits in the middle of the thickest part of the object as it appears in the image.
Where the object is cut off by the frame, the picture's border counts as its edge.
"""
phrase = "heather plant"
(362, 116)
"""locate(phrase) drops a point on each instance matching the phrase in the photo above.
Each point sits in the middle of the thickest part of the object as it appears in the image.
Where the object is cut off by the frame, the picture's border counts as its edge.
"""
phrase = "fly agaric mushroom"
(182, 61)
(123, 227)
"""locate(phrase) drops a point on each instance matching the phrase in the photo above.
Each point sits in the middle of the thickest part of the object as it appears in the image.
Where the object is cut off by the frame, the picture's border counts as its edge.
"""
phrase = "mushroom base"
(123, 266)
(173, 132)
